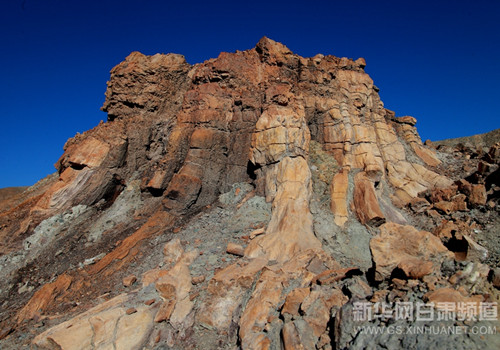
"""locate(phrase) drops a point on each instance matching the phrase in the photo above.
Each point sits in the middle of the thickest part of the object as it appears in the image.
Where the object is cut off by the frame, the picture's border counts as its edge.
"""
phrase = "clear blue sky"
(435, 60)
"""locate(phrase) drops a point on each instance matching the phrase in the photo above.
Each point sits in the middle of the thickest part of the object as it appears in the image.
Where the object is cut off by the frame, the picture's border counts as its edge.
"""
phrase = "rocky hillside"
(480, 141)
(259, 200)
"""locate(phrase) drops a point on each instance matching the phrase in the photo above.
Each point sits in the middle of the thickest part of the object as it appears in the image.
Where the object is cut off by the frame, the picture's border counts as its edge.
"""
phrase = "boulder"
(415, 253)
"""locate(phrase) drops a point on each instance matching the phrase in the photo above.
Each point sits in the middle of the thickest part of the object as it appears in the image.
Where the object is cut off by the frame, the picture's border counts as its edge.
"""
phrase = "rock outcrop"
(255, 196)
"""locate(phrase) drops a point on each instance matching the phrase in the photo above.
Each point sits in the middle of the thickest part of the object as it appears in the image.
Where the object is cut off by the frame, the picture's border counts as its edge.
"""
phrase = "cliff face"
(292, 165)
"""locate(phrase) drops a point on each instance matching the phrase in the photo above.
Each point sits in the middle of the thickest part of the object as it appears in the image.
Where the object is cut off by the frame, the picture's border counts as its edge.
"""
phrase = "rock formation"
(244, 202)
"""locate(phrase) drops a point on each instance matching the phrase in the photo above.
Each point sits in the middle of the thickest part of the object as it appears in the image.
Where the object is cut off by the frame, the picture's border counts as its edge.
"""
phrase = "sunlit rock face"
(252, 197)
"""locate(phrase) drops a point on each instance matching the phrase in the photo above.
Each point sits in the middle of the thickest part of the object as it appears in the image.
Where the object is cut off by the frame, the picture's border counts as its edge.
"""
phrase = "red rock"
(365, 201)
(131, 311)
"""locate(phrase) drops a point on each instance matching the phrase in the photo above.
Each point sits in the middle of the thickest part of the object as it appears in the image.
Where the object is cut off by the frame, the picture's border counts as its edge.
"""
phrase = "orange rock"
(91, 152)
(131, 311)
(165, 311)
(265, 297)
(152, 276)
(365, 201)
(291, 339)
(235, 249)
(338, 190)
(156, 223)
(172, 251)
(198, 279)
(294, 299)
(330, 276)
(450, 295)
(444, 207)
(44, 297)
(443, 194)
(290, 229)
(477, 196)
(416, 268)
(405, 246)
(226, 290)
(419, 205)
(407, 120)
(129, 280)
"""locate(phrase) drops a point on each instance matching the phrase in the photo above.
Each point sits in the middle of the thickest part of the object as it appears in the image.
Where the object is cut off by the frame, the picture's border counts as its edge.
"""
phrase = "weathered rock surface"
(415, 253)
(249, 194)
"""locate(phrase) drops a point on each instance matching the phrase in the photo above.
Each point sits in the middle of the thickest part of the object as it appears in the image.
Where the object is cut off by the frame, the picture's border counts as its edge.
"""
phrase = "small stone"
(477, 196)
(193, 296)
(165, 311)
(158, 337)
(129, 280)
(149, 302)
(131, 311)
(419, 205)
(444, 207)
(495, 277)
(235, 249)
(198, 279)
(399, 283)
(257, 232)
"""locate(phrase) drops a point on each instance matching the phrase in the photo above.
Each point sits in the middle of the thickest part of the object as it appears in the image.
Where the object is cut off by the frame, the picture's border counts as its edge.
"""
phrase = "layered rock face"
(321, 195)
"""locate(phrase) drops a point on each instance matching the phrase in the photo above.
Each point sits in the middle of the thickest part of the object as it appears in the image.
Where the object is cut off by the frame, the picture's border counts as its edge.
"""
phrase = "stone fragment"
(152, 276)
(477, 196)
(198, 279)
(101, 326)
(165, 311)
(257, 232)
(495, 277)
(172, 251)
(43, 297)
(290, 336)
(293, 301)
(408, 248)
(365, 201)
(419, 205)
(235, 249)
(131, 311)
(226, 290)
(444, 207)
(129, 280)
(449, 295)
